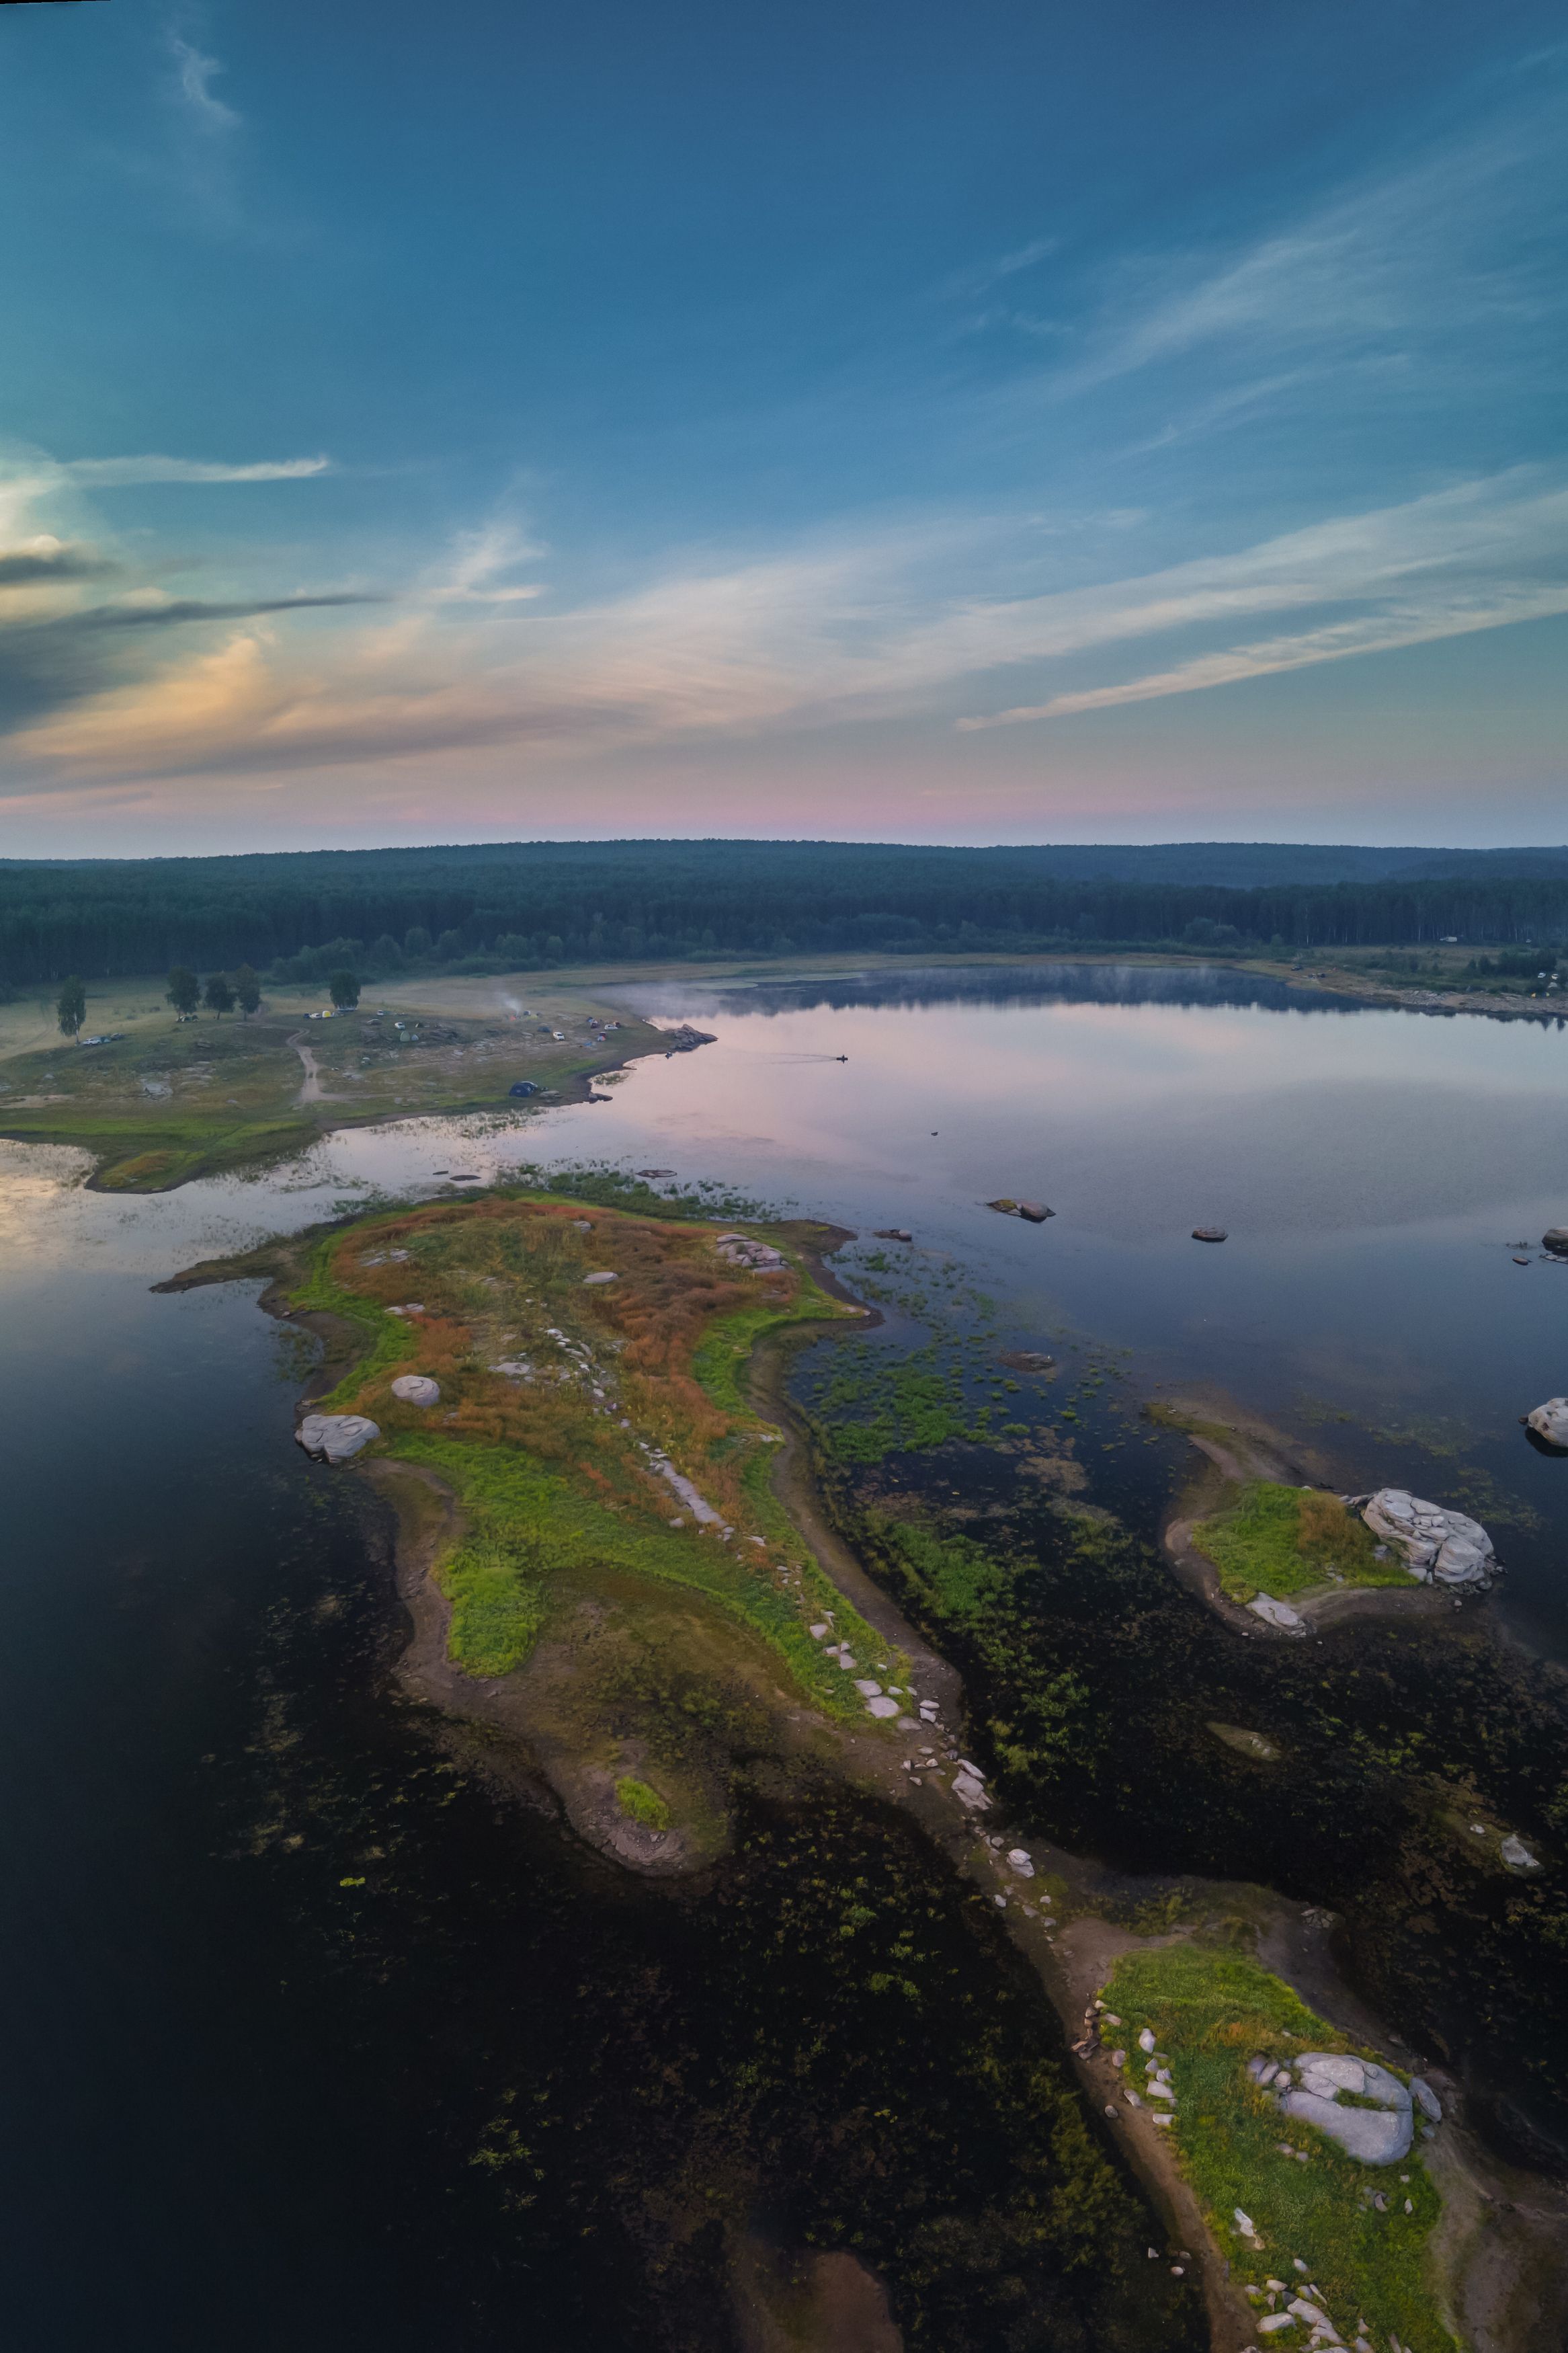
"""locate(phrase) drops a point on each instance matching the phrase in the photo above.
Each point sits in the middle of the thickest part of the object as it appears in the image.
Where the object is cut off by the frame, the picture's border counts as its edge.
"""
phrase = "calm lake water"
(239, 2097)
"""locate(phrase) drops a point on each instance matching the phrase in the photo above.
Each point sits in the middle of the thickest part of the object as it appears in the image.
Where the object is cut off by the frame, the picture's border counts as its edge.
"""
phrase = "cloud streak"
(814, 637)
(120, 473)
(194, 75)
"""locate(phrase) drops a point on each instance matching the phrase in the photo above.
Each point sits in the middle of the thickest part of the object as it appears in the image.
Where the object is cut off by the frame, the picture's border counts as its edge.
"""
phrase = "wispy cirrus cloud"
(1455, 241)
(193, 76)
(121, 473)
(821, 635)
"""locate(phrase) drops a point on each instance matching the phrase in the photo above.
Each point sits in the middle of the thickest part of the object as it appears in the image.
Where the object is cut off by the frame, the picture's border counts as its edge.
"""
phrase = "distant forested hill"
(533, 904)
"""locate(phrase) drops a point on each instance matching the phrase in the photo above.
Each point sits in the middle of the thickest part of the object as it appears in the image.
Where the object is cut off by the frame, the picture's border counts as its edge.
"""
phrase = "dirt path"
(311, 1090)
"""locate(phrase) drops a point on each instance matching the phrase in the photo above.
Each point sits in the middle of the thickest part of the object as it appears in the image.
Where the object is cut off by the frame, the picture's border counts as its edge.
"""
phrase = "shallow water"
(252, 2092)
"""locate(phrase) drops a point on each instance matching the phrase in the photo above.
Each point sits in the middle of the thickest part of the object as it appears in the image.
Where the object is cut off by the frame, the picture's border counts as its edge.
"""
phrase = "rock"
(1021, 1862)
(606, 1275)
(1555, 1239)
(1549, 1421)
(1277, 1613)
(1272, 2322)
(1517, 1855)
(1442, 1547)
(969, 1792)
(1158, 2091)
(1377, 2136)
(1146, 2040)
(882, 1706)
(819, 1631)
(416, 1389)
(866, 1688)
(893, 1234)
(1426, 2098)
(1035, 1212)
(336, 1436)
(1210, 1234)
(1244, 2223)
(655, 1172)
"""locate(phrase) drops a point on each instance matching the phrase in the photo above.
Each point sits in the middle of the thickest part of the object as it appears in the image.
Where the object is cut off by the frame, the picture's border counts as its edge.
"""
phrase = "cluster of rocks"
(1306, 2310)
(1439, 1546)
(741, 1250)
(1309, 2090)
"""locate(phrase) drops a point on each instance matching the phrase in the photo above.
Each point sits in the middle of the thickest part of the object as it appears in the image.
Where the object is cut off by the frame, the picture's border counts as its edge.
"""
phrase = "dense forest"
(535, 905)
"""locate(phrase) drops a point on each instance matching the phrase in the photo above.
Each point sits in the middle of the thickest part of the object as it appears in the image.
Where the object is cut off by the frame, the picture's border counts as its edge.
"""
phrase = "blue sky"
(996, 424)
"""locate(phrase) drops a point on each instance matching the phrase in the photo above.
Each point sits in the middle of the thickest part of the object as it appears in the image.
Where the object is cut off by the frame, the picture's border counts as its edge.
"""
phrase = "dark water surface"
(278, 1972)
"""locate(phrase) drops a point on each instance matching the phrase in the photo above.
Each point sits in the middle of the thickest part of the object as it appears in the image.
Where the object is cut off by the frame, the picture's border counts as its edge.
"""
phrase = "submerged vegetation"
(1281, 1540)
(1318, 2226)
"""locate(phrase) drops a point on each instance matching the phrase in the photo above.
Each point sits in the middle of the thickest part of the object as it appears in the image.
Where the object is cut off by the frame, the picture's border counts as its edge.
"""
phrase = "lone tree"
(247, 988)
(183, 992)
(344, 986)
(72, 1006)
(220, 994)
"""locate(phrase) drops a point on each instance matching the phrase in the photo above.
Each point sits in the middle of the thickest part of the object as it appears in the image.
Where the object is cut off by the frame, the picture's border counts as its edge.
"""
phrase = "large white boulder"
(1278, 1614)
(1551, 1422)
(416, 1389)
(1439, 1546)
(1377, 2136)
(336, 1436)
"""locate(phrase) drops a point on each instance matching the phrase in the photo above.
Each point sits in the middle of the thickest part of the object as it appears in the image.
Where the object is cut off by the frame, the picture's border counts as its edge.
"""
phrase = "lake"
(243, 2102)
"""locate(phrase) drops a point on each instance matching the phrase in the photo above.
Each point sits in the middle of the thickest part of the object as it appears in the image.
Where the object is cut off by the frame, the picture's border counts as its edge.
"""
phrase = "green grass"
(1210, 2010)
(497, 1604)
(387, 1339)
(529, 1524)
(1281, 1540)
(719, 1364)
(641, 1804)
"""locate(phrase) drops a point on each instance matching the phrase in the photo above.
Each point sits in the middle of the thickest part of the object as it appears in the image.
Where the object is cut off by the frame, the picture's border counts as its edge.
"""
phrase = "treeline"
(531, 906)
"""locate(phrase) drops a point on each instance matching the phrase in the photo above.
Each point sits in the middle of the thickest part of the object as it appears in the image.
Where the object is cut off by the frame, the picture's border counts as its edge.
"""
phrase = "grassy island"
(1283, 1540)
(591, 1422)
(1311, 2205)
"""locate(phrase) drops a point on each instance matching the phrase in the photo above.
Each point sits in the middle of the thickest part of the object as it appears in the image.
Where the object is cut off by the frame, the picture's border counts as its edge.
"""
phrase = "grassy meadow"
(167, 1101)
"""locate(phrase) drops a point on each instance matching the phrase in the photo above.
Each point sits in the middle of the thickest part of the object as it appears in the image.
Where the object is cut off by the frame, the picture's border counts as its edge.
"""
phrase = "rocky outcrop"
(336, 1436)
(1439, 1546)
(1555, 1238)
(742, 1250)
(1549, 1421)
(1377, 2136)
(416, 1389)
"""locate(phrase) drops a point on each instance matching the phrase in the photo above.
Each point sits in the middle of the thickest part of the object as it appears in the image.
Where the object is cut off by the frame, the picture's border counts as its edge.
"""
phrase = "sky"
(1006, 423)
